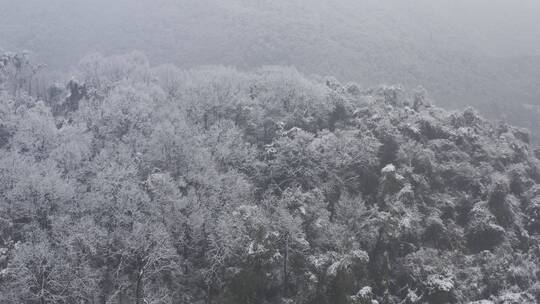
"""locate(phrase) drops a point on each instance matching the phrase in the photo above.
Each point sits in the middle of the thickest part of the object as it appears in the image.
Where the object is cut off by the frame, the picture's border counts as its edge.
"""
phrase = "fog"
(481, 53)
(495, 28)
(500, 28)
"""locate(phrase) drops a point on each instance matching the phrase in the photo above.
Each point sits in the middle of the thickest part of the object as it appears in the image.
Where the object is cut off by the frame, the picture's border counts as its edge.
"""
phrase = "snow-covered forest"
(140, 184)
(226, 168)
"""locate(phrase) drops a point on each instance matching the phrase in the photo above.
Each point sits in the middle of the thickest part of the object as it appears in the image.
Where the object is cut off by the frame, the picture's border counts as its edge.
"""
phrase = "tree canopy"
(138, 184)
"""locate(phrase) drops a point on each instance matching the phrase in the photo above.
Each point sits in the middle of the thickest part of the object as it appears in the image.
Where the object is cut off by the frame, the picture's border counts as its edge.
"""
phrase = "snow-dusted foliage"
(134, 184)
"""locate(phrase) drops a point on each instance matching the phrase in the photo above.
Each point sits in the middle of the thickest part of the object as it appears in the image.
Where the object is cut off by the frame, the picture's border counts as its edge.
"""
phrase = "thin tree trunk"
(285, 275)
(208, 294)
(138, 289)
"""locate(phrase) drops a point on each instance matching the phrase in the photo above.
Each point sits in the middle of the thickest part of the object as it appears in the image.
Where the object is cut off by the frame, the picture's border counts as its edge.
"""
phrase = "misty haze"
(269, 151)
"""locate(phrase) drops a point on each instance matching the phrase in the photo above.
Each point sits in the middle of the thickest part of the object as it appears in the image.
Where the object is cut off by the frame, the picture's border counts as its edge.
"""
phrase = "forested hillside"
(138, 184)
(483, 53)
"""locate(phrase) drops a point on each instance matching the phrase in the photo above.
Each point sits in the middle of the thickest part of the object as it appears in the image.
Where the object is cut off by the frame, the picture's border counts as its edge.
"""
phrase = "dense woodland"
(130, 183)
